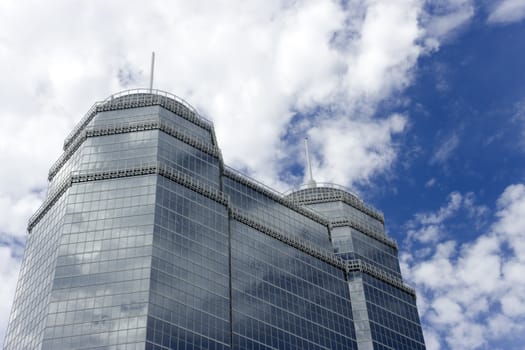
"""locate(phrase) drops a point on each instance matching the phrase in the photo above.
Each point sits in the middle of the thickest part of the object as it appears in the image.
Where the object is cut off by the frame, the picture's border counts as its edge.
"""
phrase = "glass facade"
(189, 292)
(101, 280)
(148, 241)
(283, 298)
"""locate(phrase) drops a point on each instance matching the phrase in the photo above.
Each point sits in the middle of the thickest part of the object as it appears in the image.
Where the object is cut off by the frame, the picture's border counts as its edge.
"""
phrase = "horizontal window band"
(326, 256)
(148, 169)
(355, 255)
(49, 202)
(187, 181)
(297, 243)
(253, 184)
(129, 128)
(346, 222)
(363, 266)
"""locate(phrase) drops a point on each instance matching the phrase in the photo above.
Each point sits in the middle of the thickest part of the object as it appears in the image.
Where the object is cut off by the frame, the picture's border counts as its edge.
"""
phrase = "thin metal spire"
(152, 71)
(311, 182)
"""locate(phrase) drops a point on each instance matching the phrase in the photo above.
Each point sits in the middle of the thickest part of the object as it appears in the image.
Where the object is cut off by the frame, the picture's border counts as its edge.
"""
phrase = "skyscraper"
(148, 241)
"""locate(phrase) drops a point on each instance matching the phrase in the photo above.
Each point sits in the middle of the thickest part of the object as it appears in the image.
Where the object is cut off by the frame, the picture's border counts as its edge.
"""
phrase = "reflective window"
(283, 298)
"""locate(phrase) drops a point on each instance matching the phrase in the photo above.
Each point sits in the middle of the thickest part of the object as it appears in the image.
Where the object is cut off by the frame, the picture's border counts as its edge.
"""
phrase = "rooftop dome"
(328, 192)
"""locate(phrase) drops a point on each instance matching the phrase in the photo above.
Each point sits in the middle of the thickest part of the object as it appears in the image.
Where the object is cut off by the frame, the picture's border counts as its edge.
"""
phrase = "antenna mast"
(152, 72)
(310, 183)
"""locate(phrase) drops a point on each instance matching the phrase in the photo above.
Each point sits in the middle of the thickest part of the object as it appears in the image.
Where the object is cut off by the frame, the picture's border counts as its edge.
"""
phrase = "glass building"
(148, 241)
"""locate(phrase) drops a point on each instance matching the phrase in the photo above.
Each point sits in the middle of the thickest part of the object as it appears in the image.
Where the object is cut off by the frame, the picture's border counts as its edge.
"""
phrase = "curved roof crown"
(327, 192)
(140, 98)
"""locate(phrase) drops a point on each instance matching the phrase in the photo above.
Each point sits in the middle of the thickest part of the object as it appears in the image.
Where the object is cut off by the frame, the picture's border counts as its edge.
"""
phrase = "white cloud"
(507, 11)
(386, 50)
(519, 119)
(445, 149)
(444, 18)
(427, 227)
(430, 183)
(354, 150)
(431, 339)
(455, 200)
(16, 212)
(471, 294)
(474, 210)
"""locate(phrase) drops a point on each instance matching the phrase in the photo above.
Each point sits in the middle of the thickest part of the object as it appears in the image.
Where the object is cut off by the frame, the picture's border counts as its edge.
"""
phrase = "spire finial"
(152, 71)
(311, 182)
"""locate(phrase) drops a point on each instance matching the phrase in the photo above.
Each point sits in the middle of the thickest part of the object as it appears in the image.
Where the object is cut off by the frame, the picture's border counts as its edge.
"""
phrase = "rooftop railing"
(117, 128)
(322, 185)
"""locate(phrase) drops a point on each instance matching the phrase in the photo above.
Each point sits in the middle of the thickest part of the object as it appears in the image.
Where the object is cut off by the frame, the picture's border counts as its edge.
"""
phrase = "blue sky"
(465, 142)
(419, 106)
(467, 107)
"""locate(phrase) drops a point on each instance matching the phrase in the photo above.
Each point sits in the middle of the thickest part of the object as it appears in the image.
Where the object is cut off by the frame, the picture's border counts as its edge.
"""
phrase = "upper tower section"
(136, 128)
(140, 98)
(357, 229)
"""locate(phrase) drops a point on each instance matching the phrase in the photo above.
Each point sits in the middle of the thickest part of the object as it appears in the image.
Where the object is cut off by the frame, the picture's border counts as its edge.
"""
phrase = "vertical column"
(360, 312)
